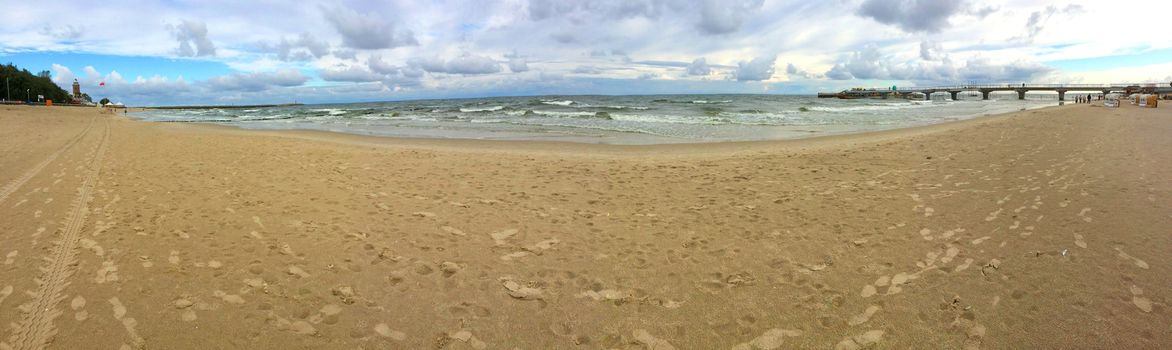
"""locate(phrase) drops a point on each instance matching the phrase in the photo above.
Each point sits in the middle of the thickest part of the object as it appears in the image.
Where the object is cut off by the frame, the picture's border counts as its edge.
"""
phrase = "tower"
(76, 89)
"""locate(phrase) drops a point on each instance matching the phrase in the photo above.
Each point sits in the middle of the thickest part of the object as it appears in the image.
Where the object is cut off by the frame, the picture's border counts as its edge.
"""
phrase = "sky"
(176, 52)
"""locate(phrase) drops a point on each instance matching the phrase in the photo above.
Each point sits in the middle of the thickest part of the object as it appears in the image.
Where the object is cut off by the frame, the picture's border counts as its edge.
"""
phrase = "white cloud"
(725, 16)
(189, 33)
(699, 66)
(760, 68)
(258, 81)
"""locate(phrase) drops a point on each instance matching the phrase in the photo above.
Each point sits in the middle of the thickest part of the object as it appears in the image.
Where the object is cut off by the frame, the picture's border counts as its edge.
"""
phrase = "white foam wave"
(486, 109)
(559, 103)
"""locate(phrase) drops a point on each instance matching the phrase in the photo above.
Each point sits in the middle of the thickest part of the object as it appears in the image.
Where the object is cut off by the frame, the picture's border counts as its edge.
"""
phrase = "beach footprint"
(860, 341)
(771, 339)
(1139, 300)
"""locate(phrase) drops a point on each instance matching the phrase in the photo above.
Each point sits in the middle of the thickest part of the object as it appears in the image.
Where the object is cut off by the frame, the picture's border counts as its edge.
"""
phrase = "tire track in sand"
(15, 184)
(36, 327)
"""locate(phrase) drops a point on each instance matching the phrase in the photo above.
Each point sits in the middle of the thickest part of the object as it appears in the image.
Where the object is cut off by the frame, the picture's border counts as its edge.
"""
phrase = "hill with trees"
(18, 80)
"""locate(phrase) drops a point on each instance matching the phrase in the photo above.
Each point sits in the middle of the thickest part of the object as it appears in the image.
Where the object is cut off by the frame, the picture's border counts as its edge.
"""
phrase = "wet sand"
(1040, 229)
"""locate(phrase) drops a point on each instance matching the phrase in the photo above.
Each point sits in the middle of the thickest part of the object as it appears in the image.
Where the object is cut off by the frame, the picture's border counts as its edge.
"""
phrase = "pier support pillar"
(1021, 94)
(1061, 95)
(985, 94)
(954, 93)
(928, 95)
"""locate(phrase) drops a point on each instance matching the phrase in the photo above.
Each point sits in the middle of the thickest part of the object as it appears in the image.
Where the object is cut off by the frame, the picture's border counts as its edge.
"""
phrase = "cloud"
(258, 81)
(63, 76)
(367, 31)
(647, 76)
(794, 71)
(929, 16)
(869, 63)
(930, 50)
(725, 16)
(699, 66)
(587, 70)
(760, 68)
(517, 65)
(467, 64)
(67, 32)
(472, 64)
(189, 33)
(1038, 19)
(349, 74)
(305, 47)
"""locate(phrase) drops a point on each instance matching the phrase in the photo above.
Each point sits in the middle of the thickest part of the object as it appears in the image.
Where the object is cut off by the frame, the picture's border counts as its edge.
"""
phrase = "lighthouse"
(77, 92)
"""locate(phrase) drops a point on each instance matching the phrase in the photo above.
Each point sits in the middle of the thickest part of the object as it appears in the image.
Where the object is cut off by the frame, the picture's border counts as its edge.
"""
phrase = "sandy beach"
(1043, 229)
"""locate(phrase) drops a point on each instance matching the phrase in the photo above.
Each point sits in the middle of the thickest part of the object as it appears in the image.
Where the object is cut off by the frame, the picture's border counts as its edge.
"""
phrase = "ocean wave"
(707, 102)
(476, 110)
(558, 103)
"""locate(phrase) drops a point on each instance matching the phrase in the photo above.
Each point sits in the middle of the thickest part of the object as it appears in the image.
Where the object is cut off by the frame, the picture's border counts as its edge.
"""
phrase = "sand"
(1040, 229)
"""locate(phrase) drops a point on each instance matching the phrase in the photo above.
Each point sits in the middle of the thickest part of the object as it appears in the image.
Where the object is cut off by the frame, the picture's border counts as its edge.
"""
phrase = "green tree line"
(14, 81)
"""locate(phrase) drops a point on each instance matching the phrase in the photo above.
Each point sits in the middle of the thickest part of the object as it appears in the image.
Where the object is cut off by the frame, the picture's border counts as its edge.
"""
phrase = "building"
(77, 99)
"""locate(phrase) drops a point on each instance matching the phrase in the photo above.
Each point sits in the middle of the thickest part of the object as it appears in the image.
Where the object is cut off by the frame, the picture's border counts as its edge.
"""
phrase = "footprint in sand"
(184, 304)
(519, 291)
(4, 293)
(93, 246)
(501, 236)
(651, 342)
(536, 249)
(297, 271)
(256, 235)
(10, 258)
(771, 339)
(865, 316)
(1137, 261)
(860, 341)
(963, 266)
(466, 336)
(228, 298)
(981, 240)
(1078, 241)
(993, 216)
(1083, 214)
(257, 221)
(1142, 303)
(107, 273)
(77, 303)
(386, 332)
(453, 230)
(174, 257)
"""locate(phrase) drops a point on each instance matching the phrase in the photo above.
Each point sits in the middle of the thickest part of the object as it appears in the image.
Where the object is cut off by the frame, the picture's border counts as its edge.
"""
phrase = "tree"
(19, 80)
(104, 101)
(86, 97)
(45, 74)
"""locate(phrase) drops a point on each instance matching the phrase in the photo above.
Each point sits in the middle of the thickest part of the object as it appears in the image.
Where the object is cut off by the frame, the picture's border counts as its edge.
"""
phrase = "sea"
(627, 120)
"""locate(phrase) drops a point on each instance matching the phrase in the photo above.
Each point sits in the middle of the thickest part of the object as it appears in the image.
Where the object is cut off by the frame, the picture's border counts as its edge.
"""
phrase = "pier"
(1021, 89)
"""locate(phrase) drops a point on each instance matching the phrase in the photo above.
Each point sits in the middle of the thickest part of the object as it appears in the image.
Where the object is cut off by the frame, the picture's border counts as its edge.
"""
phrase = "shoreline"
(714, 147)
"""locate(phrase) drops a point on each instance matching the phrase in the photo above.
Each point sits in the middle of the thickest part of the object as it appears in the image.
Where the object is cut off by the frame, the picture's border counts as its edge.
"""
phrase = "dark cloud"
(467, 64)
(930, 50)
(375, 70)
(929, 16)
(699, 66)
(794, 71)
(258, 81)
(1038, 19)
(725, 16)
(189, 33)
(345, 54)
(305, 47)
(517, 65)
(760, 68)
(647, 76)
(367, 31)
